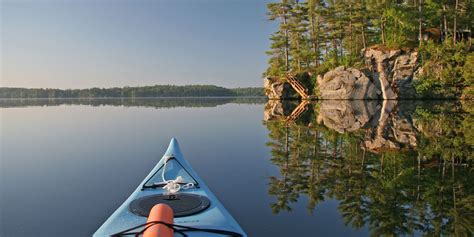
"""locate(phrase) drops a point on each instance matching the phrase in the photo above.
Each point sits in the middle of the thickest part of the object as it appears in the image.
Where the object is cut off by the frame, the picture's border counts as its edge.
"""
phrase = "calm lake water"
(329, 168)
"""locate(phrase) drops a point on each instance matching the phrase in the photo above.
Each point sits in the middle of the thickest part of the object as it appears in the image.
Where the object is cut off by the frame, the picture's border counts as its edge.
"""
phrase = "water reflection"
(397, 167)
(134, 102)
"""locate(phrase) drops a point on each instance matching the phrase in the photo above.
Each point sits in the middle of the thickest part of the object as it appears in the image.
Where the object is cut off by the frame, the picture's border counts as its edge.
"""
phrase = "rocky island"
(358, 50)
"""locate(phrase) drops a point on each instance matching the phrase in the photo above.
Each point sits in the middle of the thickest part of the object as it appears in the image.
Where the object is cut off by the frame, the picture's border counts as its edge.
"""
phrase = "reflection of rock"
(403, 130)
(278, 110)
(392, 129)
(346, 83)
(275, 89)
(288, 111)
(377, 136)
(387, 124)
(273, 110)
(394, 69)
(346, 116)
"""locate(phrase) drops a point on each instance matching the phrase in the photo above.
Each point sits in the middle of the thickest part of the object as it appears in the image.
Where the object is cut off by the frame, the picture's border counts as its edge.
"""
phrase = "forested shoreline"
(317, 36)
(142, 91)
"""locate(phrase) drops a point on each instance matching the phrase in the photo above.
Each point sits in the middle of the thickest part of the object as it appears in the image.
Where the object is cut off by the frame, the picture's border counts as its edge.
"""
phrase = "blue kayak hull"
(214, 217)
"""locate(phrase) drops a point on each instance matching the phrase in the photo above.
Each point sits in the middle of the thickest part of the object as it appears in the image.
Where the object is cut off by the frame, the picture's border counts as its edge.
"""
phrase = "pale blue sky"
(104, 43)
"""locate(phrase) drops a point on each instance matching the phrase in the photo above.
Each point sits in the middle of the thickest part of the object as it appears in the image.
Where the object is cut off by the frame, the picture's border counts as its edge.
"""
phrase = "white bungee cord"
(174, 185)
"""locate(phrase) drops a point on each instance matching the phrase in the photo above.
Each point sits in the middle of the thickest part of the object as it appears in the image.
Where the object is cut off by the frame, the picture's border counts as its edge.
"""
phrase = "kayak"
(196, 211)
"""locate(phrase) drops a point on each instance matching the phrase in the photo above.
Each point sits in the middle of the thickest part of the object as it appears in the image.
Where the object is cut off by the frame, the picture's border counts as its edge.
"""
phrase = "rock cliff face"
(388, 75)
(347, 83)
(393, 69)
(276, 89)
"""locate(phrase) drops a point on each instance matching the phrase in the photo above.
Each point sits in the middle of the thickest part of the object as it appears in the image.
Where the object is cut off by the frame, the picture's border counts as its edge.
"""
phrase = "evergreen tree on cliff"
(300, 45)
(279, 50)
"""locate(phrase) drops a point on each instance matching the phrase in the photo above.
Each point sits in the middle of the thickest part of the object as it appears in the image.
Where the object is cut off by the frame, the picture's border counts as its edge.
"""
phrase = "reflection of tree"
(132, 102)
(425, 188)
(279, 143)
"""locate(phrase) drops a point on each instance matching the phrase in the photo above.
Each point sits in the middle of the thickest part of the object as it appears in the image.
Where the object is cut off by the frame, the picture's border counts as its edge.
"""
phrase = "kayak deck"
(214, 216)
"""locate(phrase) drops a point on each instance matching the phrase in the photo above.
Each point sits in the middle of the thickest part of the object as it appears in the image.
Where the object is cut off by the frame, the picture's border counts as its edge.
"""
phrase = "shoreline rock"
(394, 70)
(346, 84)
(276, 89)
(389, 74)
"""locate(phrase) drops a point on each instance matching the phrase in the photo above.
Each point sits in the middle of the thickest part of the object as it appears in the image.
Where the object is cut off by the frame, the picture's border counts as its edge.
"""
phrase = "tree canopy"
(319, 35)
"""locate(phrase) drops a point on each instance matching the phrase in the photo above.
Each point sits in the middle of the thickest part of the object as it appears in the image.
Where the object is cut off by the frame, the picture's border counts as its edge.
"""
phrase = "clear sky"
(105, 43)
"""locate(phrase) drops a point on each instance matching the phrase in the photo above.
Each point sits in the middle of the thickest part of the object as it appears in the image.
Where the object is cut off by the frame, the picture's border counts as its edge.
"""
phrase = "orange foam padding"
(160, 212)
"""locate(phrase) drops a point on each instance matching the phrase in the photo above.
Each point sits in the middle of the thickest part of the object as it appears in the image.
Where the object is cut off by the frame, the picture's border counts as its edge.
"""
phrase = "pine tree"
(335, 19)
(360, 22)
(279, 54)
(300, 51)
(315, 8)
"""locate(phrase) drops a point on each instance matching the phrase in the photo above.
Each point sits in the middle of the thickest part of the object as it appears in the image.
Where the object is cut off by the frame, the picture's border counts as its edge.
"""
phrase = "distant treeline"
(142, 91)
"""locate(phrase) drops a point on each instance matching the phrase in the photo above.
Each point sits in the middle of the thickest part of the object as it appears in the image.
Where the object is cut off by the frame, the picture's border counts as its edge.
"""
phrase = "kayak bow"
(194, 208)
